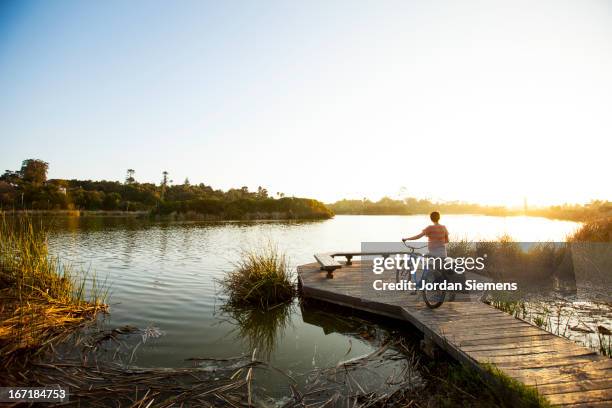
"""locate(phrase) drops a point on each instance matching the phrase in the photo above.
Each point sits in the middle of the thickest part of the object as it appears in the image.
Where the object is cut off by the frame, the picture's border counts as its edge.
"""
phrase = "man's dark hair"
(435, 216)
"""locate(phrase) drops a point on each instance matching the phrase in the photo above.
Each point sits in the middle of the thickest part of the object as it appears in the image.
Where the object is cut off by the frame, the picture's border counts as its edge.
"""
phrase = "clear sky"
(487, 101)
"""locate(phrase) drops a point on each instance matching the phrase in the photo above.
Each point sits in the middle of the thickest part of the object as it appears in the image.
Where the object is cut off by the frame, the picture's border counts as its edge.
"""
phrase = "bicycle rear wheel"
(435, 297)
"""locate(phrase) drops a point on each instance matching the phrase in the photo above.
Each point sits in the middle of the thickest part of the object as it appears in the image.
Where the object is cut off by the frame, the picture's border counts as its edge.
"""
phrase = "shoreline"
(77, 213)
(477, 214)
(192, 216)
(175, 216)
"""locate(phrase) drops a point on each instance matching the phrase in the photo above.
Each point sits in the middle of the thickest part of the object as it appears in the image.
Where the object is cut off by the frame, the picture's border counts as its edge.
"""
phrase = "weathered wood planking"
(476, 334)
(327, 263)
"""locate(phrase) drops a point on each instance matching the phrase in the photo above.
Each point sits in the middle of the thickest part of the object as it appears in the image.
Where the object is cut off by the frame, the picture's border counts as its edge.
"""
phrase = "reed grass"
(555, 321)
(40, 297)
(605, 343)
(113, 385)
(261, 278)
(594, 231)
(516, 308)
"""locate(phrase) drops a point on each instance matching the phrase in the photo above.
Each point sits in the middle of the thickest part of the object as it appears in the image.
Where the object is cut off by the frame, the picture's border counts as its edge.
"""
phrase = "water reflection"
(315, 313)
(259, 328)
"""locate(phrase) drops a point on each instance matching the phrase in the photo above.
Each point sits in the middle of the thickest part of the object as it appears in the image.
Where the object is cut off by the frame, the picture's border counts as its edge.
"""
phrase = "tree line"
(28, 188)
(596, 209)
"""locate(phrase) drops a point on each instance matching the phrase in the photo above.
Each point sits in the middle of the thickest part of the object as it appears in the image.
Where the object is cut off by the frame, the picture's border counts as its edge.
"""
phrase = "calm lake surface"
(162, 275)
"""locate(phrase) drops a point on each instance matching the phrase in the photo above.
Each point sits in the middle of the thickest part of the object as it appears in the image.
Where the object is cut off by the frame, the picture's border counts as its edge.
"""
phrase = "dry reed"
(40, 297)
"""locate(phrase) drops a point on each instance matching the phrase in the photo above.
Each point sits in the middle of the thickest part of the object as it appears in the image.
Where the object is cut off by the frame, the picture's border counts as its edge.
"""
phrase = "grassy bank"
(41, 298)
(451, 384)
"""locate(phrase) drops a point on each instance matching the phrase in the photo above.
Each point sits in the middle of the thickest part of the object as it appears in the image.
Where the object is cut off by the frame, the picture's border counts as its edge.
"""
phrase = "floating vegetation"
(96, 375)
(104, 385)
(92, 364)
(356, 382)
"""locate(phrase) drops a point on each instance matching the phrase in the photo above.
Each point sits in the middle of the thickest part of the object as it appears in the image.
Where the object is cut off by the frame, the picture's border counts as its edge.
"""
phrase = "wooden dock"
(476, 334)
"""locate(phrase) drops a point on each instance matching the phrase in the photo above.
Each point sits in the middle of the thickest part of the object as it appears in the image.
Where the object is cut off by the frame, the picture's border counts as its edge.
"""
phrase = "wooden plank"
(538, 380)
(537, 361)
(468, 316)
(598, 404)
(480, 328)
(490, 333)
(560, 388)
(538, 337)
(551, 343)
(327, 262)
(580, 397)
(504, 337)
(579, 372)
(480, 324)
(545, 349)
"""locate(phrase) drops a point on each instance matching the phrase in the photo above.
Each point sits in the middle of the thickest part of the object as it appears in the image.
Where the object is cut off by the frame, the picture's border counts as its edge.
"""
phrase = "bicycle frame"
(425, 276)
(413, 272)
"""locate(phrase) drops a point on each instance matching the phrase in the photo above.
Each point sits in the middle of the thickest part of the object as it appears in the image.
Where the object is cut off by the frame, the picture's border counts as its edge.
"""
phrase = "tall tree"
(129, 178)
(164, 184)
(34, 171)
(11, 177)
(262, 192)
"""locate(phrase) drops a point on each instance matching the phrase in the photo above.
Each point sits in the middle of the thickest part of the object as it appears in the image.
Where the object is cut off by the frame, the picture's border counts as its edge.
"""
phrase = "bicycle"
(433, 278)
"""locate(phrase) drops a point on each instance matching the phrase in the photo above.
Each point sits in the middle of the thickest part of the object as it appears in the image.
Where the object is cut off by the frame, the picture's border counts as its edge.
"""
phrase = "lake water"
(163, 275)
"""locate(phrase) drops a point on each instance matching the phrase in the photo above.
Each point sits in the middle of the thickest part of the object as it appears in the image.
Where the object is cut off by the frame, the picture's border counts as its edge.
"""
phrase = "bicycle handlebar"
(411, 248)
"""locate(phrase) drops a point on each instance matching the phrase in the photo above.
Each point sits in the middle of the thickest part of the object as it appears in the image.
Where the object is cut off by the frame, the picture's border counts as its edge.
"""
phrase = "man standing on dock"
(437, 236)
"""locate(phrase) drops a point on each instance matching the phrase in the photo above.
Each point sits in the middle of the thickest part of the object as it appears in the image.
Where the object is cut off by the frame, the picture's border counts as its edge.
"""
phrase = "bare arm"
(421, 235)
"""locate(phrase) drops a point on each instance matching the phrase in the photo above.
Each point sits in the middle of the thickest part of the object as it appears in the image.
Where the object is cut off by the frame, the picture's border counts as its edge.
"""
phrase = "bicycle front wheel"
(433, 296)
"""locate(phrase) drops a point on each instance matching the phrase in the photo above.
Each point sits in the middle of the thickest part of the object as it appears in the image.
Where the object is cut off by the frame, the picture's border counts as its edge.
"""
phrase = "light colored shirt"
(436, 239)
